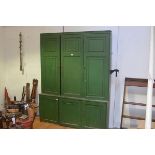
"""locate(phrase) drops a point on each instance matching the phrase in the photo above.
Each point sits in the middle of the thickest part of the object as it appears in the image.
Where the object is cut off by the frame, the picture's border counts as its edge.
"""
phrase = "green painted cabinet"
(48, 108)
(75, 68)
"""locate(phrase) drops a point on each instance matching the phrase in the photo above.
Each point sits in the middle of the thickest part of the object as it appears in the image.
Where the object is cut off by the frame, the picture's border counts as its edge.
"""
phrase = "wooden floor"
(45, 125)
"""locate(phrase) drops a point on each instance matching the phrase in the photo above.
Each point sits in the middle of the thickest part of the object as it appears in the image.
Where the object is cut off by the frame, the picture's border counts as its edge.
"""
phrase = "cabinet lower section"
(73, 112)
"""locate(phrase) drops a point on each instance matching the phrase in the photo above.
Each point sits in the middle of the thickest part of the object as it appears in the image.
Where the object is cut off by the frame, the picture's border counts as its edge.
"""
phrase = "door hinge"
(114, 70)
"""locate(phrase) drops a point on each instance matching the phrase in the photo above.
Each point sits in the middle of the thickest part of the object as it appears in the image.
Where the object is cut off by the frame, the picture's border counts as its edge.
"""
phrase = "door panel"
(71, 43)
(94, 115)
(50, 75)
(48, 108)
(72, 64)
(69, 112)
(96, 44)
(50, 44)
(50, 63)
(94, 76)
(72, 76)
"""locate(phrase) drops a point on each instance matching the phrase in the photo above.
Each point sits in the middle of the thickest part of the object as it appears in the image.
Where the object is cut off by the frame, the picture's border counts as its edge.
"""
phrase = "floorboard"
(45, 125)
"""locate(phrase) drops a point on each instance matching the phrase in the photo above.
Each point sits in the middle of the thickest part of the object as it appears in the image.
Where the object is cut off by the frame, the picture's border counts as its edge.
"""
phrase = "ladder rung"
(133, 103)
(135, 117)
(133, 83)
(137, 82)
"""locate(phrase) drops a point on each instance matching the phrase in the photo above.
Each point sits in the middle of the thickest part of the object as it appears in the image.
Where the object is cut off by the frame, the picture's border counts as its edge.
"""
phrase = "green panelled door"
(50, 63)
(96, 64)
(72, 64)
(48, 108)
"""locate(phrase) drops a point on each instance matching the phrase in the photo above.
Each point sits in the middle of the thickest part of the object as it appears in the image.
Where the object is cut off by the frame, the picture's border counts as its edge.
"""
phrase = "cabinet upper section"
(76, 64)
(50, 44)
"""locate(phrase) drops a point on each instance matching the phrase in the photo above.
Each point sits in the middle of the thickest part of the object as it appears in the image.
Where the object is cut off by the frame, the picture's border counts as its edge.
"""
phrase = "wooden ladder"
(138, 83)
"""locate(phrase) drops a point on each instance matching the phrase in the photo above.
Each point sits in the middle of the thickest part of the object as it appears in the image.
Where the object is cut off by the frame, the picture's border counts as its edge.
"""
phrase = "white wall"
(31, 49)
(133, 61)
(2, 68)
(130, 48)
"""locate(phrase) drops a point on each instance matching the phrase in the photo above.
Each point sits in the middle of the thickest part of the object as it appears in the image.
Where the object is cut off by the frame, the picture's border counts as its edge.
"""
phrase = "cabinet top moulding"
(78, 32)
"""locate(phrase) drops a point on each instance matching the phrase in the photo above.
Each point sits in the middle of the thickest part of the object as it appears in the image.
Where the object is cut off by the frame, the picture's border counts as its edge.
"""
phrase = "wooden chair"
(27, 123)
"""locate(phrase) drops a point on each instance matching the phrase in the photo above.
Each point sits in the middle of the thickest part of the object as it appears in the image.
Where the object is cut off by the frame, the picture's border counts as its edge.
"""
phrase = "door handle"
(114, 70)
